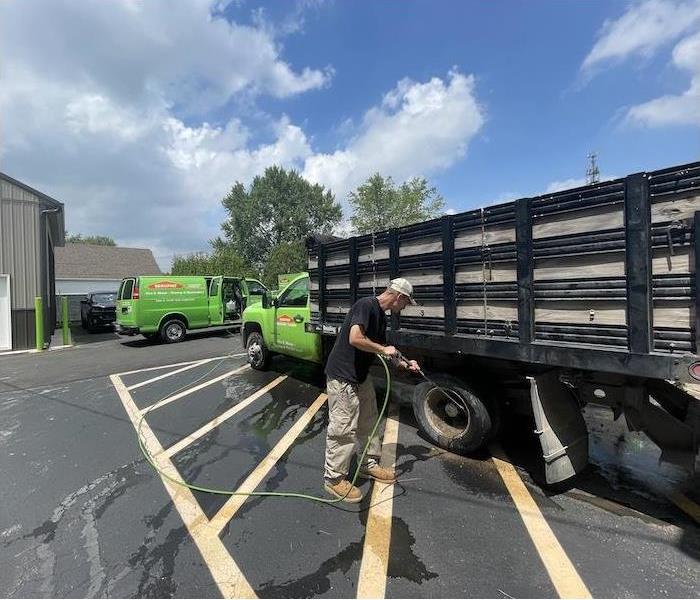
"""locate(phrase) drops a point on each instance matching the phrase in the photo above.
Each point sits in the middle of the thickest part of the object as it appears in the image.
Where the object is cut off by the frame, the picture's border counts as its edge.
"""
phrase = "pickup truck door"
(292, 312)
(216, 309)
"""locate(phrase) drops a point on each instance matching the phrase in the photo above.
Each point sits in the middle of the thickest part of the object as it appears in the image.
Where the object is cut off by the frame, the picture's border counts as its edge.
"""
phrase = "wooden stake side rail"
(607, 268)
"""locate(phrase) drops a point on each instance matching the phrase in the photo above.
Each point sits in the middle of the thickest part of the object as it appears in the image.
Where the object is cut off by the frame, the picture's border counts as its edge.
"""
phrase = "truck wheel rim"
(255, 353)
(439, 410)
(173, 332)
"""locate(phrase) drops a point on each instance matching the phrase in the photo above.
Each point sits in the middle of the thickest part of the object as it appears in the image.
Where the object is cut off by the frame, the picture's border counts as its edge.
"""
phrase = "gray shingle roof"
(87, 261)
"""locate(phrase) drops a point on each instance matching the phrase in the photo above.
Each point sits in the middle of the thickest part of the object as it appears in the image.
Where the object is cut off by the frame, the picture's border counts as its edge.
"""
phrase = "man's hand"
(389, 351)
(412, 366)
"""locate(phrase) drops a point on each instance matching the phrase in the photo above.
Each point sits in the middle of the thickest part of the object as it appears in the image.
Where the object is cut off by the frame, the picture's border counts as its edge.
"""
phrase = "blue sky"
(154, 109)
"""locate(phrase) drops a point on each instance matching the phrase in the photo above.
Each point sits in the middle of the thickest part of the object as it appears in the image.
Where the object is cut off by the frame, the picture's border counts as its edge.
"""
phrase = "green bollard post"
(39, 322)
(64, 320)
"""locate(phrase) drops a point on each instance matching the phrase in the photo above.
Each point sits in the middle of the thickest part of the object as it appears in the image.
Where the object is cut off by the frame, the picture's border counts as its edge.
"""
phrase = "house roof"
(88, 261)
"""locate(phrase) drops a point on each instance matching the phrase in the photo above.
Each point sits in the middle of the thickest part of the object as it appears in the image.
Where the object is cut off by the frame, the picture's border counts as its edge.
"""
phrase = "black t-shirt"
(346, 362)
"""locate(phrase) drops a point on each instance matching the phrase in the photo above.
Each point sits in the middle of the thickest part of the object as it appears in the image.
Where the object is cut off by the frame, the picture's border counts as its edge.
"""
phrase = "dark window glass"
(127, 289)
(255, 288)
(296, 294)
(103, 298)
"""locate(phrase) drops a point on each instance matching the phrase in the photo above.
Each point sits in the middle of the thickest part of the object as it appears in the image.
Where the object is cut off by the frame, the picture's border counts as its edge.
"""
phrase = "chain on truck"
(544, 304)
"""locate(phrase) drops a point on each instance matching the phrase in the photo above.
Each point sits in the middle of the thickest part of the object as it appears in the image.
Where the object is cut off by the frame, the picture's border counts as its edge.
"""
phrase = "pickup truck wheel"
(258, 354)
(460, 423)
(172, 331)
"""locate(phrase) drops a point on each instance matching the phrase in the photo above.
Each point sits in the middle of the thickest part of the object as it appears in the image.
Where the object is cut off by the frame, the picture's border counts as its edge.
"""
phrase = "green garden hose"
(220, 492)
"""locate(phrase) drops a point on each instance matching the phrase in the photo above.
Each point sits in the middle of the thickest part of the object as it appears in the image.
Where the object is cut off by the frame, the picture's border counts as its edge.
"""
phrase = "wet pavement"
(84, 515)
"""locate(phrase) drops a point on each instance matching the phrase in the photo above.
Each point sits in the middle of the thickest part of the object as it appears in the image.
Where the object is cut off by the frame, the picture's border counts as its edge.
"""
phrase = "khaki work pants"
(352, 413)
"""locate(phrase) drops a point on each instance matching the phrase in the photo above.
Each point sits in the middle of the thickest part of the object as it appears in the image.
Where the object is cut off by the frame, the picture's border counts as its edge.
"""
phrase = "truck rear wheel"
(172, 331)
(258, 354)
(459, 422)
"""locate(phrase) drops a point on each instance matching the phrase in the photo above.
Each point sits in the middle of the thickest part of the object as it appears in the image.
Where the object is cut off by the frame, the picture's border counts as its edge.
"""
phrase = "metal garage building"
(31, 226)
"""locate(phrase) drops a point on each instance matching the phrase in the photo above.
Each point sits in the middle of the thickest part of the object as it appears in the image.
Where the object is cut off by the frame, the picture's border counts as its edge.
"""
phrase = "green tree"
(224, 261)
(96, 240)
(286, 257)
(279, 206)
(378, 204)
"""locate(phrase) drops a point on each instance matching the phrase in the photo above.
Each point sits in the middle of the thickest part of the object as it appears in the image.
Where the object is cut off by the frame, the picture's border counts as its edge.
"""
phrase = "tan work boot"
(378, 473)
(345, 490)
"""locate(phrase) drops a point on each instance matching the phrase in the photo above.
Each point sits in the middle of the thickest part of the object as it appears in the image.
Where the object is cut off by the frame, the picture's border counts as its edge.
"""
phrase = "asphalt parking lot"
(84, 515)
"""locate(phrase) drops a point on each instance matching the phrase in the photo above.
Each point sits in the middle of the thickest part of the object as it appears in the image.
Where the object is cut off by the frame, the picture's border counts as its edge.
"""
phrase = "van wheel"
(258, 354)
(172, 331)
(459, 422)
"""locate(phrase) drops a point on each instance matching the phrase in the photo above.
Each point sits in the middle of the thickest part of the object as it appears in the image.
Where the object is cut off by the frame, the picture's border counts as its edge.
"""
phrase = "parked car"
(98, 309)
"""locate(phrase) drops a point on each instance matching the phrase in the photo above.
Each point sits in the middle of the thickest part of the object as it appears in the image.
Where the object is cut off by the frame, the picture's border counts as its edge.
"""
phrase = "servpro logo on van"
(165, 285)
(285, 320)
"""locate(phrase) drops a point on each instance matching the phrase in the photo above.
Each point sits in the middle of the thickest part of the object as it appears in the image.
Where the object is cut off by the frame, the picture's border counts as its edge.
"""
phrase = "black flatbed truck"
(547, 303)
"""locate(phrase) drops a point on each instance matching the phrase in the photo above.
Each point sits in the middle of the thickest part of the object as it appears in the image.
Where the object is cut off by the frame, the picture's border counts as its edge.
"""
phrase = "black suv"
(98, 309)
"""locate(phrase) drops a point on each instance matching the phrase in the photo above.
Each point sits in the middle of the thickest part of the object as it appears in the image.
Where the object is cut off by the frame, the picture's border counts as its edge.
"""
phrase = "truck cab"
(281, 324)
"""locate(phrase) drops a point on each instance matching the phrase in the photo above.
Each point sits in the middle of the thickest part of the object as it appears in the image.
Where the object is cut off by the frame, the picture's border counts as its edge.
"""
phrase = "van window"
(214, 289)
(121, 289)
(127, 289)
(255, 288)
(296, 294)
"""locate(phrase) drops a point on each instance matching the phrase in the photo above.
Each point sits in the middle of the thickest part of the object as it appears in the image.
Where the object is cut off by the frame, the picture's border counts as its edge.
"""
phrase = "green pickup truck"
(279, 325)
(167, 306)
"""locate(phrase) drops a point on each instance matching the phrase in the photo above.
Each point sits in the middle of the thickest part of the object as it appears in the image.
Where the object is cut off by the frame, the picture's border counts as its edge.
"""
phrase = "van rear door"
(126, 315)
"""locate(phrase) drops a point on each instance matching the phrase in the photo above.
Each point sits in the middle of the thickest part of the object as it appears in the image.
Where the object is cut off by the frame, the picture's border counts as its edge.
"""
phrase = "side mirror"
(265, 300)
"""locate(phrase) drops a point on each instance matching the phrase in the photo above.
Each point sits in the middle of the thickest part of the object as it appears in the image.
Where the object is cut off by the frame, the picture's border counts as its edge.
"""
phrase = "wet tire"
(173, 331)
(461, 430)
(258, 353)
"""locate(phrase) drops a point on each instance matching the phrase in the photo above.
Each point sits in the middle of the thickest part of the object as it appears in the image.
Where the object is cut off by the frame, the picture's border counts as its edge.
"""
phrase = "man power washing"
(352, 402)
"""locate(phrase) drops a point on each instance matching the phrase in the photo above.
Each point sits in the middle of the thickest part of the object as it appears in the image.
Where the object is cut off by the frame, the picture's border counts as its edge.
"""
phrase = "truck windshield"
(104, 298)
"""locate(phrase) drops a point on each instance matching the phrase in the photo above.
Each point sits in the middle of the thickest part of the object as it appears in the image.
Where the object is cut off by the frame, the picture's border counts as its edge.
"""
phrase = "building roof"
(88, 261)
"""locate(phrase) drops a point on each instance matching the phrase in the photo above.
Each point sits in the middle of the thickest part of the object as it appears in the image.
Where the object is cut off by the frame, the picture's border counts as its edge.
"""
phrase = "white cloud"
(574, 182)
(110, 113)
(565, 184)
(102, 106)
(681, 109)
(643, 29)
(419, 129)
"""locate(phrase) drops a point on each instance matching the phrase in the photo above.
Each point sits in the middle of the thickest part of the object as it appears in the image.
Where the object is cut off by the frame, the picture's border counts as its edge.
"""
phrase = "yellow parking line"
(196, 388)
(224, 570)
(253, 480)
(375, 555)
(560, 569)
(685, 504)
(168, 374)
(175, 448)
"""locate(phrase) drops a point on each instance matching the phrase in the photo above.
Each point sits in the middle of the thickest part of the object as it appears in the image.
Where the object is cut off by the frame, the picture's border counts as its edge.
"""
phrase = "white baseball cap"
(403, 286)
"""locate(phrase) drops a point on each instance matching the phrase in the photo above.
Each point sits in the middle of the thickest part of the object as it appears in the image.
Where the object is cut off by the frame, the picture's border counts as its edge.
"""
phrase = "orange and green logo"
(285, 320)
(165, 285)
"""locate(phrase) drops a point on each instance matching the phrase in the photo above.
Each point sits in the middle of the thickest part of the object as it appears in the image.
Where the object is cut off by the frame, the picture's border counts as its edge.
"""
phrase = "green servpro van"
(279, 324)
(167, 306)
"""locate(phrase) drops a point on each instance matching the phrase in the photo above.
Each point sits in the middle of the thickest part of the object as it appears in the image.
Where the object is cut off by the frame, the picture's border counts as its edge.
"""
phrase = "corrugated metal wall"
(20, 243)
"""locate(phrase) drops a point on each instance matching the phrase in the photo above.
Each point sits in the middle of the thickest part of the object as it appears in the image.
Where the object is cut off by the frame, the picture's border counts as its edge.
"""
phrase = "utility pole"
(592, 172)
